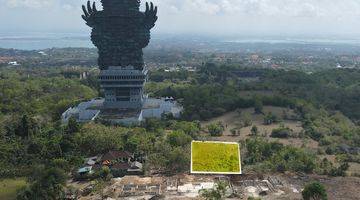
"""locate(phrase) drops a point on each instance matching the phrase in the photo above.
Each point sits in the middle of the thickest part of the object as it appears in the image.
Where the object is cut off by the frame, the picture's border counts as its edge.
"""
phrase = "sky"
(212, 17)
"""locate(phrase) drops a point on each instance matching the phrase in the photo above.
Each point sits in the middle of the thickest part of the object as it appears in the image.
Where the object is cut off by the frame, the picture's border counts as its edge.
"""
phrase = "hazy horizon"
(235, 18)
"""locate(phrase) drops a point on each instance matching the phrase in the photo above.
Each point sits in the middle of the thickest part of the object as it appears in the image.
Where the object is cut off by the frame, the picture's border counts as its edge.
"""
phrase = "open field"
(215, 157)
(233, 120)
(8, 188)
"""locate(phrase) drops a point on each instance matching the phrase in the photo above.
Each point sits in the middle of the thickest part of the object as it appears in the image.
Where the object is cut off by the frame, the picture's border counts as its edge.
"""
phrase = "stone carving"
(120, 31)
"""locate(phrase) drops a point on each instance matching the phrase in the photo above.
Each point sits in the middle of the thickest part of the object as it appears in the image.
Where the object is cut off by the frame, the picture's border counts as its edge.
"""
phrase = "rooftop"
(114, 155)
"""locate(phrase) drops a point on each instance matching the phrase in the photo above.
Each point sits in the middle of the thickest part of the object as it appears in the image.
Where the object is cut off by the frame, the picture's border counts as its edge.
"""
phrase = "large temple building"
(120, 31)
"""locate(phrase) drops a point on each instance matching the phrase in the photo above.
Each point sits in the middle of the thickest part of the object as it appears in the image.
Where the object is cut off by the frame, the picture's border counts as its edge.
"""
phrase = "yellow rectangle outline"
(215, 142)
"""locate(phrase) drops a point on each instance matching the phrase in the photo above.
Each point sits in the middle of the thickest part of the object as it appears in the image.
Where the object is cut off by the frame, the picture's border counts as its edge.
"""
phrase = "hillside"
(290, 125)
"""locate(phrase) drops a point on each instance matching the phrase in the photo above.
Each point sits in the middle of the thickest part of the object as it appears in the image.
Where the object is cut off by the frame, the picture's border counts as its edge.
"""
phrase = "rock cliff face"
(120, 31)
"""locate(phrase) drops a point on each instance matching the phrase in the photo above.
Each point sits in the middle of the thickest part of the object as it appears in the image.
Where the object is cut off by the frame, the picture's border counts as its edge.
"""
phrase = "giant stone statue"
(120, 31)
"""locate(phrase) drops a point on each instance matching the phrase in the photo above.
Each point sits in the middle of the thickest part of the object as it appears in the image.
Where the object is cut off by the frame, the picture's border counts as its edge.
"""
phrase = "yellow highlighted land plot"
(215, 157)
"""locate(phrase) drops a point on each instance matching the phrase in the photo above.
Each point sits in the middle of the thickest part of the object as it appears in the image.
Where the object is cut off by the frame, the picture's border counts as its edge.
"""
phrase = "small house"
(113, 157)
(85, 171)
(120, 163)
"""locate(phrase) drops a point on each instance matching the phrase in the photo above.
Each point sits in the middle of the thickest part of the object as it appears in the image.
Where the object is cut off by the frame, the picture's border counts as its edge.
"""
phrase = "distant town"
(190, 54)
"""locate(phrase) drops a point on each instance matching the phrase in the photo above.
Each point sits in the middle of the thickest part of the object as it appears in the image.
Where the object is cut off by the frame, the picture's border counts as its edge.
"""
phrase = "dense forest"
(219, 88)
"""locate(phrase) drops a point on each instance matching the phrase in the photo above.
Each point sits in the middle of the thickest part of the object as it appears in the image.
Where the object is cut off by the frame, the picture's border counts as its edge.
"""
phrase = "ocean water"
(36, 41)
(41, 40)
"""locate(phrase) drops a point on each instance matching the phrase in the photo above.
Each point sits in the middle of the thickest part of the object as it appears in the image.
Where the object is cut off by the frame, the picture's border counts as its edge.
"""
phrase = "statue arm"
(89, 12)
(150, 15)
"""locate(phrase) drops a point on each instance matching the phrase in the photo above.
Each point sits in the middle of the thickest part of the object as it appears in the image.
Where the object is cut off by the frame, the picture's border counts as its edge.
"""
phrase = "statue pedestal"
(123, 87)
(96, 110)
(152, 108)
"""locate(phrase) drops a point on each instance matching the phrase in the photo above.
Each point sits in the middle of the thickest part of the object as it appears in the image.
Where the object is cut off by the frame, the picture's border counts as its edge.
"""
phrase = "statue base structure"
(95, 110)
(152, 108)
(124, 102)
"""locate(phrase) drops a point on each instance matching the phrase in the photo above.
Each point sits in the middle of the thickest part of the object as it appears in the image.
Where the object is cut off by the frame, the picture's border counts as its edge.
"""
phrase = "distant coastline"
(37, 41)
(299, 41)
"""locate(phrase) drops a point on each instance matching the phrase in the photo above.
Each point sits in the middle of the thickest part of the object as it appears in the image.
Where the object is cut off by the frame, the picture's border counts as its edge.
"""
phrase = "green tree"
(254, 131)
(26, 127)
(178, 138)
(61, 163)
(178, 160)
(314, 191)
(281, 132)
(48, 184)
(270, 118)
(258, 106)
(341, 170)
(73, 126)
(152, 124)
(247, 121)
(95, 138)
(190, 128)
(259, 150)
(217, 193)
(105, 173)
(215, 129)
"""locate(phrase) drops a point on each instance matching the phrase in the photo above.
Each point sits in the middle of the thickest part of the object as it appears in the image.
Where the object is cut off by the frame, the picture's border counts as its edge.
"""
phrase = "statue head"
(121, 5)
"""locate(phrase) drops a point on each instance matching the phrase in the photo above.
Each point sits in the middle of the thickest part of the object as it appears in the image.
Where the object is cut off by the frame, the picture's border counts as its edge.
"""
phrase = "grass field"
(8, 188)
(215, 158)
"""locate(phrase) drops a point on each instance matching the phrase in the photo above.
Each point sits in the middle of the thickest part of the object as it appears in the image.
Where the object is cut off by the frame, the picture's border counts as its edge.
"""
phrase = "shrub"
(281, 133)
(293, 159)
(325, 141)
(45, 184)
(105, 173)
(341, 170)
(270, 118)
(254, 130)
(235, 132)
(218, 192)
(258, 106)
(258, 150)
(246, 119)
(178, 138)
(315, 191)
(216, 129)
(278, 157)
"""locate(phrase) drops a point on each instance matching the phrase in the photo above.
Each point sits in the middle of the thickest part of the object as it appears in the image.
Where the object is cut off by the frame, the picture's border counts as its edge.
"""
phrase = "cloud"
(68, 7)
(29, 3)
(198, 16)
(268, 8)
(284, 8)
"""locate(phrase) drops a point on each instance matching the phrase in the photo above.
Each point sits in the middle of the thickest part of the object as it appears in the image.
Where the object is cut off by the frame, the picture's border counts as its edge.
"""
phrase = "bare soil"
(234, 120)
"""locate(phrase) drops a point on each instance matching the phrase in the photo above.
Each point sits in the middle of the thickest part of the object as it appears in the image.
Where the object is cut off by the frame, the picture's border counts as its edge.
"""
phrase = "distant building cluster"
(13, 63)
(120, 163)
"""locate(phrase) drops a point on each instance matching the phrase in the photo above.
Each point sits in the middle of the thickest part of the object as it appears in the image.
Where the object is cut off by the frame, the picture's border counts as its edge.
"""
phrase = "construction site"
(188, 187)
